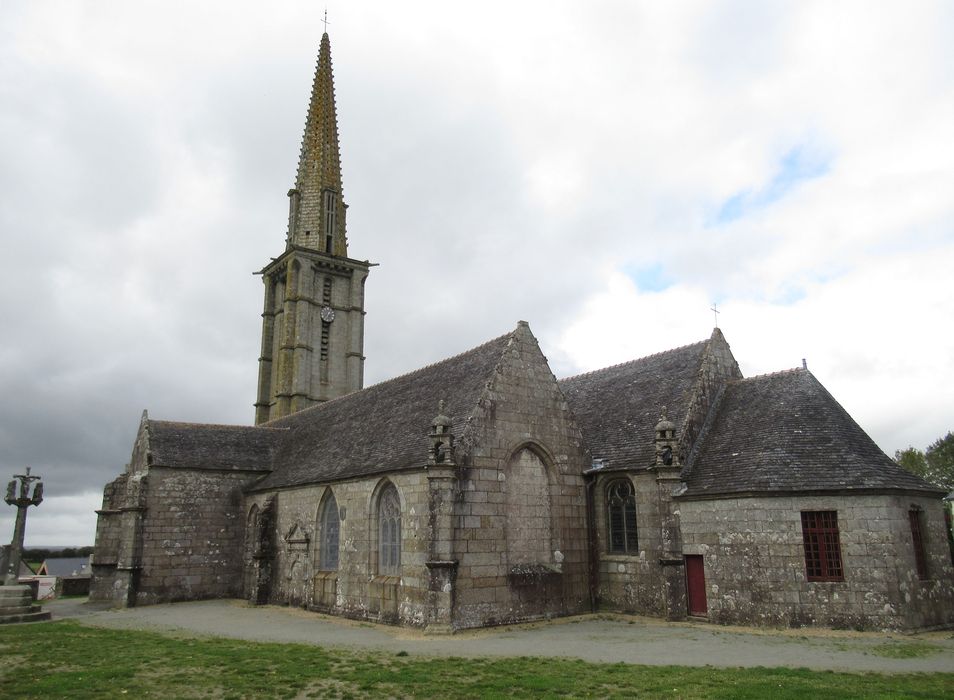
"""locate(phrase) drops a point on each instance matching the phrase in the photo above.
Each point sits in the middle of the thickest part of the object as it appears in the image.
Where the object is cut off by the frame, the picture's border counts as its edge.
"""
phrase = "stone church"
(482, 490)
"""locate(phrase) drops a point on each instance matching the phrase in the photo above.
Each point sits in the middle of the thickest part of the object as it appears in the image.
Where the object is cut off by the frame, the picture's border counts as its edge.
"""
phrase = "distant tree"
(37, 554)
(41, 554)
(940, 461)
(912, 460)
(935, 465)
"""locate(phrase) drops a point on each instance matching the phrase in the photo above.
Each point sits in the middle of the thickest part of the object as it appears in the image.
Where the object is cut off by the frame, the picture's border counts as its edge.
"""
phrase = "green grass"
(66, 659)
(905, 650)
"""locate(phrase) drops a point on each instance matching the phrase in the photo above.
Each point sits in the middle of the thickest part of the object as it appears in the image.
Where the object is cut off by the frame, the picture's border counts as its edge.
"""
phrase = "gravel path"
(609, 638)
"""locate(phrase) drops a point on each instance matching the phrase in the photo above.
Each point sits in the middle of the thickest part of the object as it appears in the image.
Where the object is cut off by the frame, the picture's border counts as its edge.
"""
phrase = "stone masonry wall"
(522, 411)
(108, 539)
(356, 589)
(529, 521)
(115, 562)
(755, 562)
(304, 360)
(192, 535)
(631, 582)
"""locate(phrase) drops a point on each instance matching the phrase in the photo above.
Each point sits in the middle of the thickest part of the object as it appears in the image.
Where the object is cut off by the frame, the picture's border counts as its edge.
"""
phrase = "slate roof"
(384, 427)
(617, 408)
(775, 433)
(201, 446)
(66, 566)
(784, 432)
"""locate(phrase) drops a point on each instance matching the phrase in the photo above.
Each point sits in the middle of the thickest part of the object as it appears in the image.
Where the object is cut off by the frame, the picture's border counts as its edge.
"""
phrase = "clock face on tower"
(327, 314)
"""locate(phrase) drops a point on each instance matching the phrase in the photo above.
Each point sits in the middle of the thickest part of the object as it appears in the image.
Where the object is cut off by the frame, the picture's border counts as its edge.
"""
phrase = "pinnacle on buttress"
(316, 208)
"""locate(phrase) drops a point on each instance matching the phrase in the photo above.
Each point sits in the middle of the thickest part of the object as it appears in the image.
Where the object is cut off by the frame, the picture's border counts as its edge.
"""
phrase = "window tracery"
(389, 532)
(330, 533)
(621, 517)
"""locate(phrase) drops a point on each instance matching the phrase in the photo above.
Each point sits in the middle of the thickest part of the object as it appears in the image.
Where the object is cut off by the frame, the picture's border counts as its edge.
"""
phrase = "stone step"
(17, 609)
(15, 588)
(8, 593)
(38, 616)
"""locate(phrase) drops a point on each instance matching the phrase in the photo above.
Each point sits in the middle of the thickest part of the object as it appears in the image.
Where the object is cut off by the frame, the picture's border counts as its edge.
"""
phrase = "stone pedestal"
(16, 605)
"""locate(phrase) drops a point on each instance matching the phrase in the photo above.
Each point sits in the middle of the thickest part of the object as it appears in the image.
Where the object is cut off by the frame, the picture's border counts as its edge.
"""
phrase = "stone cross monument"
(19, 495)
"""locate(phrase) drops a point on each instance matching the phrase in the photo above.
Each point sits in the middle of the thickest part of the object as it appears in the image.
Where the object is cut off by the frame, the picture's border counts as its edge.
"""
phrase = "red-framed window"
(822, 547)
(916, 518)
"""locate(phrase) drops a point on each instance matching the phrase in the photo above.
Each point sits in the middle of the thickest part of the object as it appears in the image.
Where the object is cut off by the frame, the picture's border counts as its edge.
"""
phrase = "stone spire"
(316, 215)
(313, 320)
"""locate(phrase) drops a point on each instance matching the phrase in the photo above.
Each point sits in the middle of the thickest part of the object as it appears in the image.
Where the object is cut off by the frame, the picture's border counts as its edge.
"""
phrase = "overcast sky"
(606, 171)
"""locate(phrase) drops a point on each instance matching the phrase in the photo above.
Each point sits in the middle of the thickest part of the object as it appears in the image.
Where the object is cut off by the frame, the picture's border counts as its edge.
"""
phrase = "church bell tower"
(313, 322)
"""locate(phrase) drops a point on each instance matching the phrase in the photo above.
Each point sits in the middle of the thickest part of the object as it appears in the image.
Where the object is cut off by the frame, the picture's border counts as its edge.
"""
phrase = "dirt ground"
(601, 638)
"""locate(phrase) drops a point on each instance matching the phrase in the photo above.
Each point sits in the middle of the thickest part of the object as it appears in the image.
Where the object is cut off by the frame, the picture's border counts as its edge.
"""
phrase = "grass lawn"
(66, 659)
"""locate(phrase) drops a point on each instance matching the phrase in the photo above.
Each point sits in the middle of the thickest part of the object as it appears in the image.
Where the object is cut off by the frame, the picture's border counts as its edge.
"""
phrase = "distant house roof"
(618, 407)
(784, 432)
(65, 567)
(384, 427)
(201, 446)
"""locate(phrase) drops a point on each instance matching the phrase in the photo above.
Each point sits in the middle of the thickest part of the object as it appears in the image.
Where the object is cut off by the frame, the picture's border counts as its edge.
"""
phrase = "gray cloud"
(497, 171)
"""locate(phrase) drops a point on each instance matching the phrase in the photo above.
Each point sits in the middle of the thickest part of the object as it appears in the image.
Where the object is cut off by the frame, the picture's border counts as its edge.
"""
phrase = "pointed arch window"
(389, 532)
(330, 533)
(621, 517)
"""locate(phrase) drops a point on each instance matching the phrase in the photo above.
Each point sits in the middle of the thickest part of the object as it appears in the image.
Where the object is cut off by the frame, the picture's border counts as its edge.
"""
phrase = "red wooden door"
(696, 585)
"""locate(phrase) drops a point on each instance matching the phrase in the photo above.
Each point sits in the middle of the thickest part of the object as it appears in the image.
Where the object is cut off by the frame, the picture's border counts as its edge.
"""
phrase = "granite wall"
(755, 571)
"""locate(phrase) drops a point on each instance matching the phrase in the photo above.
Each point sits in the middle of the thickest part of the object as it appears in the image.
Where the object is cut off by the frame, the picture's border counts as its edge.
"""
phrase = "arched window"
(621, 517)
(529, 527)
(330, 528)
(389, 532)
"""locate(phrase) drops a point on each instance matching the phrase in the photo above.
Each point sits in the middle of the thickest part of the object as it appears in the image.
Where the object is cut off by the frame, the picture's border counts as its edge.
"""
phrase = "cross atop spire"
(316, 217)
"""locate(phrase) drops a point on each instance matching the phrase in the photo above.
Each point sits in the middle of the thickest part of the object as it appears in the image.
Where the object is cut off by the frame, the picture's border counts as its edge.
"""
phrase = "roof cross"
(715, 313)
(325, 20)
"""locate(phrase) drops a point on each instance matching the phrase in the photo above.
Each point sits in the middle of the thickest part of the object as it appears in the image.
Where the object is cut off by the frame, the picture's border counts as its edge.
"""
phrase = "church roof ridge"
(618, 407)
(785, 432)
(209, 446)
(385, 382)
(644, 358)
(381, 427)
(217, 426)
(427, 367)
(770, 375)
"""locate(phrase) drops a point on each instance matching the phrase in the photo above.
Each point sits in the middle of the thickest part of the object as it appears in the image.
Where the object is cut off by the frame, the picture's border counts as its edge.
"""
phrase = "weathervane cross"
(715, 313)
(325, 20)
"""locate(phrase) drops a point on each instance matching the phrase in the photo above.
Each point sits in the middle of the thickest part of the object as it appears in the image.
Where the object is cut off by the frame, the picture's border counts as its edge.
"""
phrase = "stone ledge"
(38, 616)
